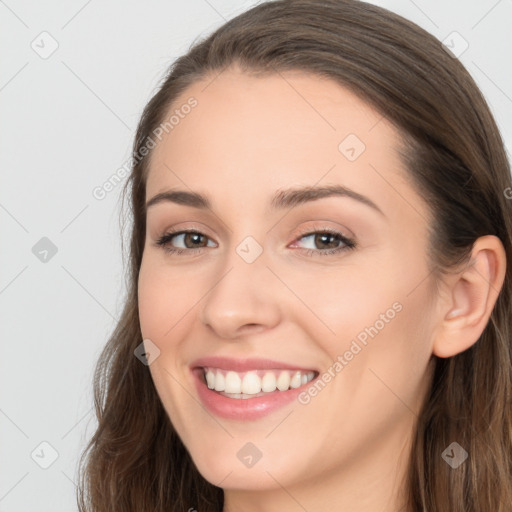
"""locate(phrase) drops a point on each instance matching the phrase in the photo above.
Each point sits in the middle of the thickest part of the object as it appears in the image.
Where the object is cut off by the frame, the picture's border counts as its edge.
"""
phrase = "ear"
(470, 298)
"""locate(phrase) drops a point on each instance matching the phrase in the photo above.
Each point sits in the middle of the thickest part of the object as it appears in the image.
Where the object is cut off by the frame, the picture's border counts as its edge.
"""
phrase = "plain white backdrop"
(74, 79)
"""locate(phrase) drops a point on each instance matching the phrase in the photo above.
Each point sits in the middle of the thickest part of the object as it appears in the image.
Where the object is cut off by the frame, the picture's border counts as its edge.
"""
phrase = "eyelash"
(349, 244)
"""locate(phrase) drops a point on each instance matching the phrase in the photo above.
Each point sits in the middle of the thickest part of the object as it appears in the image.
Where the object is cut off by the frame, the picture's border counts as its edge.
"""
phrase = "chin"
(229, 472)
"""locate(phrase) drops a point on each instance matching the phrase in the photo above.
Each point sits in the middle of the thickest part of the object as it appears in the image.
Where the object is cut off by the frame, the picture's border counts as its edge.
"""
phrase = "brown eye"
(191, 240)
(194, 239)
(326, 242)
(326, 239)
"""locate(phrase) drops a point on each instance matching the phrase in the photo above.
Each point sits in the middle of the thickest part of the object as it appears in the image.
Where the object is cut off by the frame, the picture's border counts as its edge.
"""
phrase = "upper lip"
(244, 365)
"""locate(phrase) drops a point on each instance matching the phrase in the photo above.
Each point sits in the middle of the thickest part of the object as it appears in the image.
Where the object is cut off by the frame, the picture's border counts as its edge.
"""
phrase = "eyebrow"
(287, 198)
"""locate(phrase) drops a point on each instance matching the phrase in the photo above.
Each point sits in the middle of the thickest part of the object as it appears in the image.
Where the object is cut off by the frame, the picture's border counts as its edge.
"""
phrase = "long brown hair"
(454, 155)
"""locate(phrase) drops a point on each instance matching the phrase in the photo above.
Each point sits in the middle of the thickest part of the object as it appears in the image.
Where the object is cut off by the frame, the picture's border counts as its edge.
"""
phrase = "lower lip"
(242, 408)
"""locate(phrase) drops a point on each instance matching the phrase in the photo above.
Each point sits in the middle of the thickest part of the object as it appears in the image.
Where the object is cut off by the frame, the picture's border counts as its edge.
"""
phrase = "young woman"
(319, 311)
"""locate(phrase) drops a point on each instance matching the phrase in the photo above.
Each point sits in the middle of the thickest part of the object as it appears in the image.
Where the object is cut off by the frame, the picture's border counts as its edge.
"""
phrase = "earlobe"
(472, 295)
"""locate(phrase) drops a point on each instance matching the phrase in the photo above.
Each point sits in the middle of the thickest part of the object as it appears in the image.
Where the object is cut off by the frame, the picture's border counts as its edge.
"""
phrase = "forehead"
(256, 134)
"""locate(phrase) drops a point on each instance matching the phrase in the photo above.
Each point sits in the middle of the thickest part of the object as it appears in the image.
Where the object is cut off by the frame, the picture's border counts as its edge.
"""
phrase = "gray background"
(67, 122)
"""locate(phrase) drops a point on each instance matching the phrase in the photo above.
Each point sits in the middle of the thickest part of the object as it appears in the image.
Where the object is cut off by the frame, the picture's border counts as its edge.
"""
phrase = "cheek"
(345, 302)
(163, 302)
(378, 317)
(149, 300)
(157, 299)
(167, 297)
(394, 333)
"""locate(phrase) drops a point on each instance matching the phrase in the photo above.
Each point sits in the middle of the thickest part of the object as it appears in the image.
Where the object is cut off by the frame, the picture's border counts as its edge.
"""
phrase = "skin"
(247, 138)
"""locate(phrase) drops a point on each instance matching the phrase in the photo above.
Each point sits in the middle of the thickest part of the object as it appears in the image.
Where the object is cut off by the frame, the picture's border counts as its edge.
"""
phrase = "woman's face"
(268, 288)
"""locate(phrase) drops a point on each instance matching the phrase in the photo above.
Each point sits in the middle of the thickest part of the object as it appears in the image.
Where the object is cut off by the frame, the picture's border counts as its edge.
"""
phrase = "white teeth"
(220, 382)
(268, 382)
(210, 379)
(255, 382)
(296, 381)
(251, 384)
(233, 383)
(283, 381)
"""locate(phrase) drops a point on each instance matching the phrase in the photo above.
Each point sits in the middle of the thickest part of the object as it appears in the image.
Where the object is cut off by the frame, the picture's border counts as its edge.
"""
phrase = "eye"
(193, 241)
(327, 242)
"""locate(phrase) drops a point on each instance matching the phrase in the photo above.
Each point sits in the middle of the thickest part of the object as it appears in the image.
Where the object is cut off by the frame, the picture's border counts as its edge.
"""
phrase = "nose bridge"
(242, 293)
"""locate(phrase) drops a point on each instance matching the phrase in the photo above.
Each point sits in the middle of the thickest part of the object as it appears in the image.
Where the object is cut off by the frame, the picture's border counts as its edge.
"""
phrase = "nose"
(243, 299)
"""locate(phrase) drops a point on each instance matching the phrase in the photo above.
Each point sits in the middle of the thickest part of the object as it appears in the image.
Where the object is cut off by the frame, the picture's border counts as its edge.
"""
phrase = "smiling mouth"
(254, 383)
